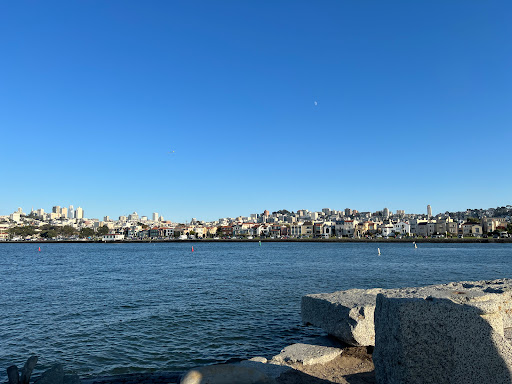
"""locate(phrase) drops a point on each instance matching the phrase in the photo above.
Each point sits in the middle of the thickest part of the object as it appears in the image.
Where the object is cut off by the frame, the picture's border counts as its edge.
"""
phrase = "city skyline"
(216, 109)
(79, 213)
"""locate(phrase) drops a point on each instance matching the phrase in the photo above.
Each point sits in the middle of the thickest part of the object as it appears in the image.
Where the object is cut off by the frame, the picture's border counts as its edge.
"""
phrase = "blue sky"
(413, 106)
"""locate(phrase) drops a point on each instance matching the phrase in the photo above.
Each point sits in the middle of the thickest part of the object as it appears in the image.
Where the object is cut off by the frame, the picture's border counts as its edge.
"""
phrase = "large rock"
(441, 340)
(54, 375)
(349, 315)
(226, 374)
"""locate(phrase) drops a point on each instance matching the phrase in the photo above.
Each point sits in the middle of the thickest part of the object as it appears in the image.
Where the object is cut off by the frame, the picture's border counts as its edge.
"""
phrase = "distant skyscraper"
(56, 209)
(79, 213)
(64, 212)
(71, 212)
(348, 212)
(133, 217)
(155, 216)
(385, 213)
(106, 218)
(429, 211)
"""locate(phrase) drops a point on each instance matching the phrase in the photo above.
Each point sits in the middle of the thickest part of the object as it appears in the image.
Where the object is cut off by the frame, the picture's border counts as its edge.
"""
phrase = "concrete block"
(349, 315)
(440, 341)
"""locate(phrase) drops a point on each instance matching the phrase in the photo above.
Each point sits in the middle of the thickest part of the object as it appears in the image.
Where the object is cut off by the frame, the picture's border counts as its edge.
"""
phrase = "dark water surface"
(106, 309)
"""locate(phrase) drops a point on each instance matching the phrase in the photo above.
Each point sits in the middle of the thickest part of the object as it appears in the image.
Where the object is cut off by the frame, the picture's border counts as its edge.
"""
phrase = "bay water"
(107, 309)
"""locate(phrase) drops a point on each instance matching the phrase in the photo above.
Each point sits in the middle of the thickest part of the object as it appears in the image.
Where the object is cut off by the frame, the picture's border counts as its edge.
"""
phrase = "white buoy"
(415, 246)
(378, 251)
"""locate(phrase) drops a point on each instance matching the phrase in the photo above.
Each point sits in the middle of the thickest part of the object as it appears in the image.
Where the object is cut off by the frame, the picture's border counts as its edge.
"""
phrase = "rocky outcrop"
(349, 315)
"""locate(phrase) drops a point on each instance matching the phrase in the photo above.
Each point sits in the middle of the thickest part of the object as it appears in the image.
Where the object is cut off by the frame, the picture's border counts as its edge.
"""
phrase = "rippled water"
(105, 309)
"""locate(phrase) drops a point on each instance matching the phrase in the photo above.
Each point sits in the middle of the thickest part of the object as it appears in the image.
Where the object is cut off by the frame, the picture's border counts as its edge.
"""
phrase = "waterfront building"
(387, 230)
(79, 213)
(402, 227)
(471, 229)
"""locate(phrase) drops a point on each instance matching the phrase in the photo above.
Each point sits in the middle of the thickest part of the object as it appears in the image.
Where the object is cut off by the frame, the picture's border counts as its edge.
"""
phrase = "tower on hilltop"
(429, 211)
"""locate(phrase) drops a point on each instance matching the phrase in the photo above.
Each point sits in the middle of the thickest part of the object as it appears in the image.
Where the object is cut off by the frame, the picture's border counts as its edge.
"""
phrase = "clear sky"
(210, 109)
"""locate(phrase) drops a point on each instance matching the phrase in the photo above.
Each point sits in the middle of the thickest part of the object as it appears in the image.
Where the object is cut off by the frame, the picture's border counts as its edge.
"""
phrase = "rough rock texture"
(349, 315)
(441, 340)
(226, 374)
(306, 354)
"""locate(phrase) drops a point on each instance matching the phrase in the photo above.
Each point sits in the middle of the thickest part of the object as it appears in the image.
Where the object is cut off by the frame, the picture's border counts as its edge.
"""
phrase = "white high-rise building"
(79, 213)
(133, 217)
(429, 211)
(155, 216)
(385, 213)
(71, 212)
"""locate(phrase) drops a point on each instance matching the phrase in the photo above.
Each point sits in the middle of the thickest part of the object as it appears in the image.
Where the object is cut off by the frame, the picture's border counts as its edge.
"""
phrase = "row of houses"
(310, 229)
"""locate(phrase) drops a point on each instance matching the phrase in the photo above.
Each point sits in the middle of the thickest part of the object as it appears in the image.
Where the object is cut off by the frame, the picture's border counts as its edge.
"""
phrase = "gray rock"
(226, 374)
(270, 369)
(349, 315)
(441, 341)
(306, 354)
(54, 375)
(26, 372)
(258, 359)
(13, 374)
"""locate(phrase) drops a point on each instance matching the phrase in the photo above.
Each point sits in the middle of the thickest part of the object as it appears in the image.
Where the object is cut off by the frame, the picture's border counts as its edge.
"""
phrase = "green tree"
(68, 231)
(473, 220)
(49, 234)
(102, 231)
(86, 232)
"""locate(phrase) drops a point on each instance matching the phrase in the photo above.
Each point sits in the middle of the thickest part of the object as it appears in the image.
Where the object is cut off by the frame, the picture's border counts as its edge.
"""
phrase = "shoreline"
(467, 240)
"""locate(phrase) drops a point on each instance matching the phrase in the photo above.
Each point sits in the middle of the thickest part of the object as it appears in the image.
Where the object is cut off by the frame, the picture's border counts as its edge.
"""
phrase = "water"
(106, 309)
